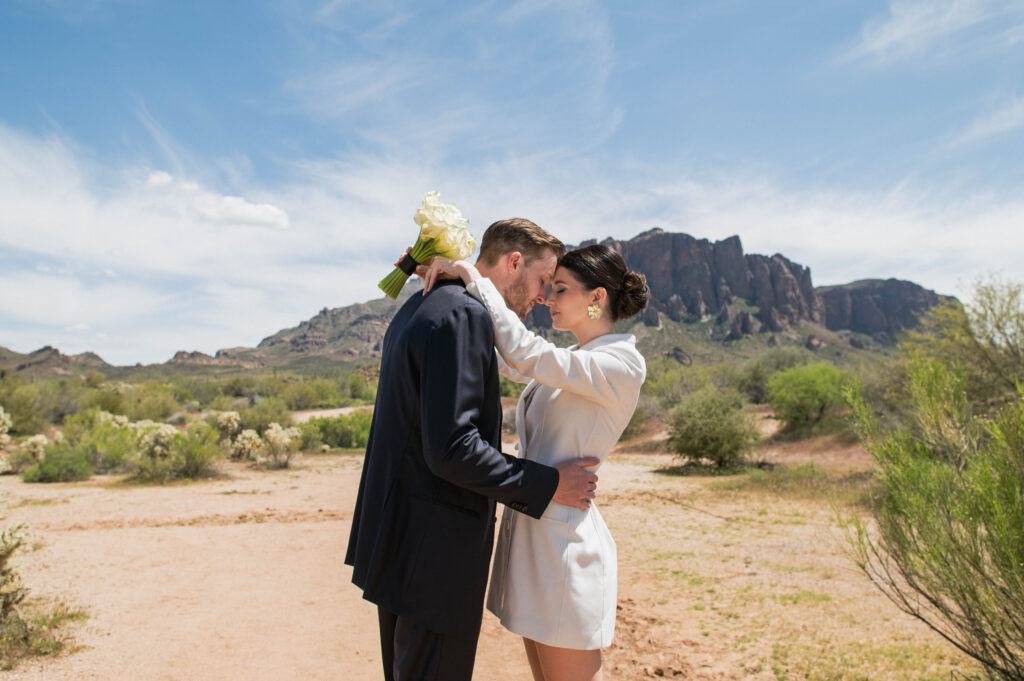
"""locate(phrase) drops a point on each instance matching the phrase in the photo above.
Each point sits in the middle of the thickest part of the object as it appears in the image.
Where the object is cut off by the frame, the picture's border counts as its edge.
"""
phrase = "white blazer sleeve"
(603, 376)
(508, 372)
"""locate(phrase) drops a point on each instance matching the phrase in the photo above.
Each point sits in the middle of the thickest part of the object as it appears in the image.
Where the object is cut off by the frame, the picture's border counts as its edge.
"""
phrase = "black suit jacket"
(423, 528)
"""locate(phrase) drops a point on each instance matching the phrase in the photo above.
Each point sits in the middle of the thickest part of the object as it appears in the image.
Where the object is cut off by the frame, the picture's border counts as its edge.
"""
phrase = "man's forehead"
(546, 265)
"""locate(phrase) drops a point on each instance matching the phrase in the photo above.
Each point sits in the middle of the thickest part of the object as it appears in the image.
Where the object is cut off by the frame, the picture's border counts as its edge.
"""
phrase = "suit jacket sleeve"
(604, 376)
(457, 358)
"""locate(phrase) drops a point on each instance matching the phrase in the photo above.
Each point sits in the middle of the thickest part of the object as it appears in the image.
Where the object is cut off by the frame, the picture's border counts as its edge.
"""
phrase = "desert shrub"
(246, 445)
(266, 411)
(195, 451)
(755, 373)
(361, 389)
(22, 403)
(300, 396)
(221, 403)
(61, 398)
(106, 441)
(228, 423)
(5, 427)
(12, 591)
(348, 431)
(985, 337)
(151, 401)
(949, 547)
(664, 383)
(168, 453)
(25, 635)
(34, 448)
(710, 423)
(310, 438)
(59, 464)
(280, 445)
(238, 386)
(106, 398)
(804, 393)
(668, 382)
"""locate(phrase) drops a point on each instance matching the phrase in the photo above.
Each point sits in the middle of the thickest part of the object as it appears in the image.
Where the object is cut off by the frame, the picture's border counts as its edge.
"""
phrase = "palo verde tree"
(949, 544)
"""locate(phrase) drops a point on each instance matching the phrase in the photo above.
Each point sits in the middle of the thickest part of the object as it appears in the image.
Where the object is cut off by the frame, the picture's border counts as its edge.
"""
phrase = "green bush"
(300, 396)
(710, 423)
(350, 431)
(105, 441)
(105, 398)
(950, 526)
(22, 403)
(310, 438)
(754, 375)
(268, 410)
(803, 394)
(360, 389)
(195, 451)
(168, 453)
(151, 401)
(24, 635)
(60, 464)
(985, 337)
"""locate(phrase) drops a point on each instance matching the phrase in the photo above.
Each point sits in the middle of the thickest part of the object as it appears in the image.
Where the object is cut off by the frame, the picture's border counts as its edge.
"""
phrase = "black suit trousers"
(411, 652)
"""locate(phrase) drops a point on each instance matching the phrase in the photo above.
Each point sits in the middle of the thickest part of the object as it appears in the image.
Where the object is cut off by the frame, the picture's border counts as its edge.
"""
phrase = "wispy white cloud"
(231, 276)
(938, 28)
(1002, 120)
(471, 83)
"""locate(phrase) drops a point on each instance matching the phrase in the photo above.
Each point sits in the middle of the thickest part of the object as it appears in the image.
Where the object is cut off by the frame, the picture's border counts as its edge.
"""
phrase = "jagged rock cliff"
(692, 279)
(878, 307)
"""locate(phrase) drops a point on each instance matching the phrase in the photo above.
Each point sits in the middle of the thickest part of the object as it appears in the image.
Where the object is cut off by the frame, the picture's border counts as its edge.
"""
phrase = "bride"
(553, 580)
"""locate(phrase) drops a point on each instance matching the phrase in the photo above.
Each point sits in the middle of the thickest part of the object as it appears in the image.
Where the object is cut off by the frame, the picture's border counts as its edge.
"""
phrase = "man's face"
(531, 285)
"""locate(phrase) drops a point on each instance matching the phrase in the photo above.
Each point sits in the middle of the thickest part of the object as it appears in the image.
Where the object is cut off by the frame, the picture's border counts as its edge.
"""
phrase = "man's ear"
(514, 262)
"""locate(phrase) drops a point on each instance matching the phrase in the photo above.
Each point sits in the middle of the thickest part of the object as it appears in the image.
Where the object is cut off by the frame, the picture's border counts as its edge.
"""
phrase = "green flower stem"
(392, 284)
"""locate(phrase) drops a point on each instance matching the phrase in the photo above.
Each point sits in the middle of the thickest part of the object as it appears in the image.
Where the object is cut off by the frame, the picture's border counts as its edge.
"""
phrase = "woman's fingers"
(407, 252)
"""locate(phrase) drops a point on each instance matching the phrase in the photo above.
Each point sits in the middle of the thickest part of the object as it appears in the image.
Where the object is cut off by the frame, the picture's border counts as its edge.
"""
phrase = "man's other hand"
(576, 485)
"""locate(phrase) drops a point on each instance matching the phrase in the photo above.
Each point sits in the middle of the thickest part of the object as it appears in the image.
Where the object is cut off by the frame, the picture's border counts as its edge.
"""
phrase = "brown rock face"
(692, 278)
(877, 307)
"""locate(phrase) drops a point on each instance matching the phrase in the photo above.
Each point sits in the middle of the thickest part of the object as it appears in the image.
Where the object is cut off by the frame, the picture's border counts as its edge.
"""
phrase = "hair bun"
(633, 296)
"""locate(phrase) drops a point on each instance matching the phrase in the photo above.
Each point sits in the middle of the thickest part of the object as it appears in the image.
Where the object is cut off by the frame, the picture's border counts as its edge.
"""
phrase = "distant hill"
(49, 360)
(708, 298)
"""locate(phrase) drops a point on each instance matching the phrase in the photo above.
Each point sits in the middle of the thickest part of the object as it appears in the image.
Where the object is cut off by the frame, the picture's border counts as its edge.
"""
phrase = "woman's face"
(568, 300)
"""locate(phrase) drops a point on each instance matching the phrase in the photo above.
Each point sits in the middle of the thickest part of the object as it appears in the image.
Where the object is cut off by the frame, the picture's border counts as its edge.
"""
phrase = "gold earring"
(593, 311)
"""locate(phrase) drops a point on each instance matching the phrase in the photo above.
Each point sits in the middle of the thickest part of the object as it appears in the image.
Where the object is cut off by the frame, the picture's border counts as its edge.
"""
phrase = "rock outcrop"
(692, 279)
(878, 307)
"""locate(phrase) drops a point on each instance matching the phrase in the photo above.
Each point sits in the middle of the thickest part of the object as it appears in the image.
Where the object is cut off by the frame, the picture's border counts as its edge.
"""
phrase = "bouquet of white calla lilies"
(442, 233)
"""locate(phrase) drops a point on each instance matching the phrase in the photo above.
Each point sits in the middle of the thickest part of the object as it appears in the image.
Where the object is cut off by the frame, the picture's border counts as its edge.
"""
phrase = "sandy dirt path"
(239, 578)
(243, 578)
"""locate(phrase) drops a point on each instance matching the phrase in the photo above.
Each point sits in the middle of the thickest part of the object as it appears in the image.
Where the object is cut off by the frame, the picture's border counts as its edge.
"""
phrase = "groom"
(423, 527)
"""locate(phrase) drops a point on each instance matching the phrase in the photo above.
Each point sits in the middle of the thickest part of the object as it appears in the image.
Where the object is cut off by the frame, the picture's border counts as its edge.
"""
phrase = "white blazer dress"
(553, 580)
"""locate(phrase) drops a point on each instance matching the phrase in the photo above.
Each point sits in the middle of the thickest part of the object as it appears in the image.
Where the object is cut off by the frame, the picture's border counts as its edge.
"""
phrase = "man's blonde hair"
(517, 234)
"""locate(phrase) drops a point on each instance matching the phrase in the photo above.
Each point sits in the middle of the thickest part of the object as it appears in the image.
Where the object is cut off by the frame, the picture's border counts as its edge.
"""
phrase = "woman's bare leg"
(567, 664)
(532, 656)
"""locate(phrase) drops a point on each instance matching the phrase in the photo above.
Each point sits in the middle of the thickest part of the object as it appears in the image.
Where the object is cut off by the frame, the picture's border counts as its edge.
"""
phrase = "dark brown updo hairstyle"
(599, 265)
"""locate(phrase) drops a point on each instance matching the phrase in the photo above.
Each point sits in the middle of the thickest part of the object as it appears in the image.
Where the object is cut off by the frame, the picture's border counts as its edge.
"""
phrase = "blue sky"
(195, 175)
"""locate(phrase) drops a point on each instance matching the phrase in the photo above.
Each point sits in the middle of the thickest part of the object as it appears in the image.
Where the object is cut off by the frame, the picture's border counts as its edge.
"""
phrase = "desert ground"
(242, 577)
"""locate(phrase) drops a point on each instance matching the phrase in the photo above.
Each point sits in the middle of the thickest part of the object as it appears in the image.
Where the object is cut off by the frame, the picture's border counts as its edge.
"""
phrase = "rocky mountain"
(694, 279)
(877, 307)
(50, 360)
(693, 282)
